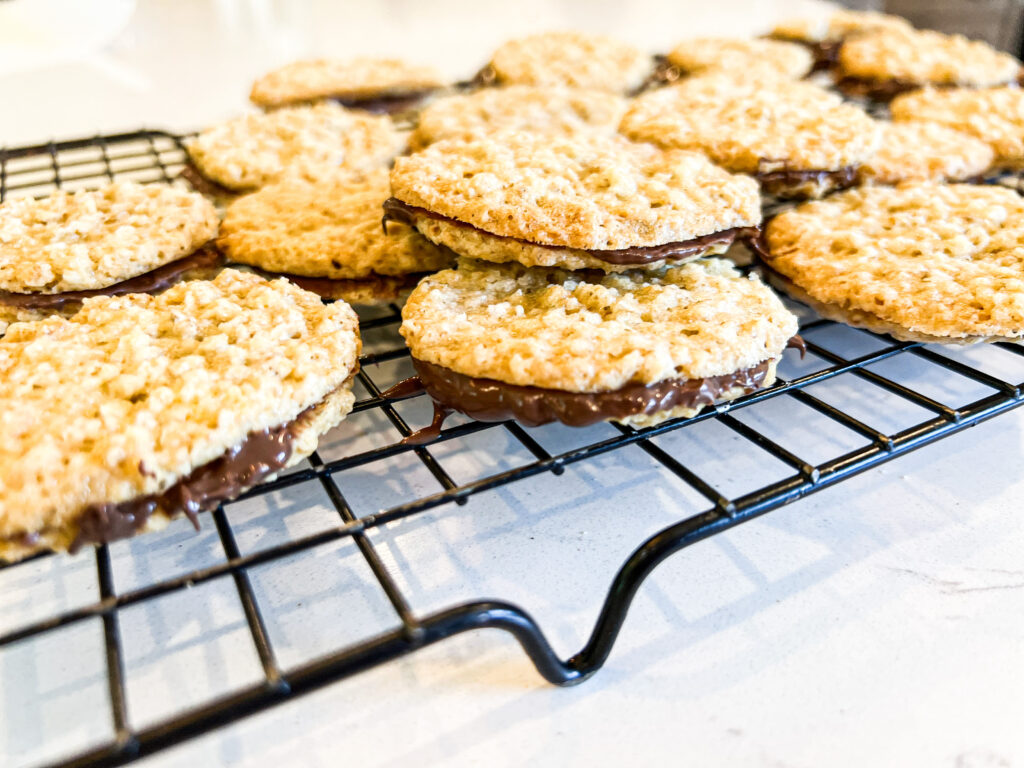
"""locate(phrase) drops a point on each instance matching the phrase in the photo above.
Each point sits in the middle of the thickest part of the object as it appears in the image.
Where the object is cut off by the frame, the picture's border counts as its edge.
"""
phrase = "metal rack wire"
(151, 155)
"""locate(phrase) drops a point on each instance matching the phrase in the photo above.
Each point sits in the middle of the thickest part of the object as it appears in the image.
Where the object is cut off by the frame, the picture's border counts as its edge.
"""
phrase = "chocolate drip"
(396, 210)
(797, 342)
(204, 185)
(259, 455)
(403, 389)
(161, 278)
(432, 431)
(490, 400)
(385, 104)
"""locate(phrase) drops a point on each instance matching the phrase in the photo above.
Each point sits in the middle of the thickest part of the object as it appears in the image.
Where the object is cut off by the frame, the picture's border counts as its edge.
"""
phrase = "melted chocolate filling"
(204, 185)
(396, 210)
(490, 400)
(259, 455)
(161, 278)
(780, 182)
(386, 104)
(663, 72)
(880, 90)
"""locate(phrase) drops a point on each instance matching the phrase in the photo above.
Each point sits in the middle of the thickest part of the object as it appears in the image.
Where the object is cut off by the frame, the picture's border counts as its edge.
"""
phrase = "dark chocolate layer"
(490, 400)
(786, 181)
(385, 104)
(824, 52)
(159, 279)
(879, 90)
(396, 210)
(261, 454)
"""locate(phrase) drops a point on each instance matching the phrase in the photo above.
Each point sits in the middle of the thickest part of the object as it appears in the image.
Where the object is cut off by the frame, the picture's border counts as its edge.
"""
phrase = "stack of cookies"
(555, 224)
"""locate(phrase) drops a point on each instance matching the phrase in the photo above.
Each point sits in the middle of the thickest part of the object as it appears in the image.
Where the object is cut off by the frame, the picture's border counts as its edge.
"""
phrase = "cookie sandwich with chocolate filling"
(499, 342)
(59, 250)
(920, 151)
(921, 261)
(738, 55)
(385, 86)
(992, 115)
(884, 65)
(584, 202)
(249, 152)
(551, 110)
(796, 139)
(571, 59)
(825, 34)
(142, 408)
(326, 237)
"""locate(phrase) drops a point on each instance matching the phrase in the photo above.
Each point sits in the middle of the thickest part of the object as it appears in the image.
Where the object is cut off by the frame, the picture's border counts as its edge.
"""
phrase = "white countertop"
(876, 623)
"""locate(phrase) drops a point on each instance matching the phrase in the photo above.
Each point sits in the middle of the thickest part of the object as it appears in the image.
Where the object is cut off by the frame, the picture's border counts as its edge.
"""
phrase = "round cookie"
(574, 202)
(883, 65)
(550, 110)
(330, 230)
(309, 141)
(154, 406)
(797, 139)
(125, 237)
(741, 56)
(823, 35)
(539, 345)
(993, 115)
(376, 85)
(920, 261)
(919, 151)
(569, 59)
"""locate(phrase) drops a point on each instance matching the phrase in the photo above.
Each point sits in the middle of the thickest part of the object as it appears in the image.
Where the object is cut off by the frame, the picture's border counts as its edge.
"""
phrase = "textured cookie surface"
(755, 123)
(740, 55)
(554, 111)
(93, 239)
(132, 393)
(994, 115)
(923, 56)
(572, 59)
(593, 193)
(312, 79)
(329, 228)
(919, 151)
(570, 331)
(941, 260)
(839, 25)
(310, 141)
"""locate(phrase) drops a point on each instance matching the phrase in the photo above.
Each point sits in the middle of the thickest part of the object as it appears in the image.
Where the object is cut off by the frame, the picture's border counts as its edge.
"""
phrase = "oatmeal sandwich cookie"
(883, 65)
(122, 238)
(570, 59)
(740, 56)
(824, 35)
(920, 151)
(796, 139)
(326, 237)
(254, 150)
(500, 342)
(552, 110)
(141, 408)
(375, 85)
(573, 202)
(920, 261)
(993, 115)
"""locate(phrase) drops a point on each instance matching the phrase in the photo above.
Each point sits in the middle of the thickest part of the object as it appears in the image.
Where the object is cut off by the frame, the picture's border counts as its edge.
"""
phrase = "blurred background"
(71, 68)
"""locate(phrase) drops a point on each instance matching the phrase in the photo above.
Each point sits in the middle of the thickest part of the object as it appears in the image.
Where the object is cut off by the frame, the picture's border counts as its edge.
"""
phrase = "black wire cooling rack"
(151, 155)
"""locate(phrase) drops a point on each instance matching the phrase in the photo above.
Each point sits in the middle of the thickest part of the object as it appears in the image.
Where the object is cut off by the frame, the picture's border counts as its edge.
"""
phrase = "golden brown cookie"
(920, 261)
(125, 237)
(572, 59)
(555, 111)
(575, 202)
(309, 142)
(140, 408)
(993, 115)
(539, 345)
(883, 65)
(741, 56)
(797, 139)
(372, 84)
(330, 230)
(919, 151)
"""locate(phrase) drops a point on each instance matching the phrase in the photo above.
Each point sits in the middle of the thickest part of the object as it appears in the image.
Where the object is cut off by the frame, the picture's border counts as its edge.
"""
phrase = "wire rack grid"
(885, 398)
